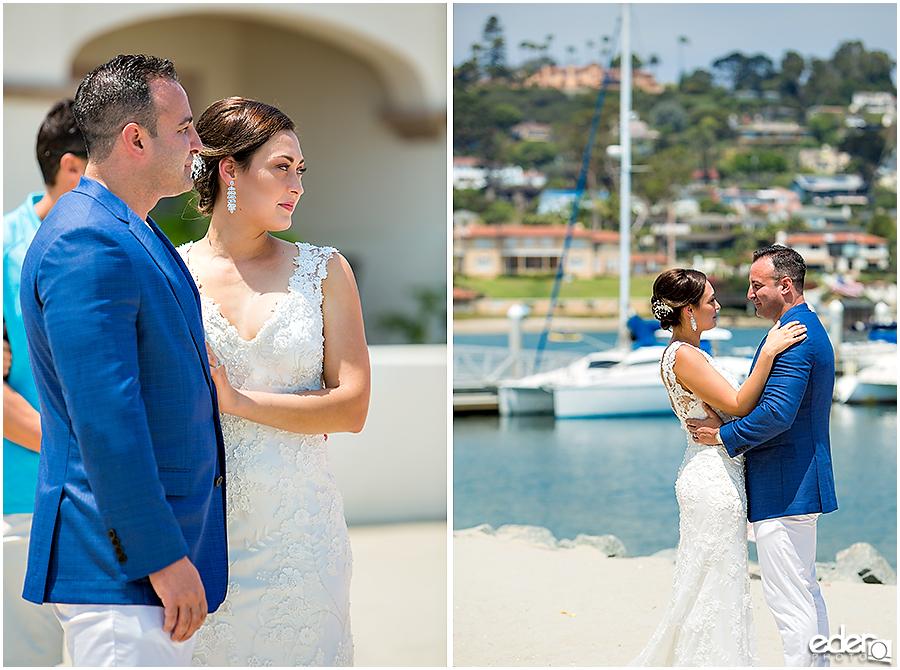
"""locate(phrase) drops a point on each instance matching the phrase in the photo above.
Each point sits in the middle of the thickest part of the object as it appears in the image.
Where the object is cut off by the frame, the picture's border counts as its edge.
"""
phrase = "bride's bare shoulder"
(688, 355)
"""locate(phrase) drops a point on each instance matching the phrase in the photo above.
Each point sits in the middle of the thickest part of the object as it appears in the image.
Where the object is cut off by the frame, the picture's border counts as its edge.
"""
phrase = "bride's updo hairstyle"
(235, 127)
(674, 290)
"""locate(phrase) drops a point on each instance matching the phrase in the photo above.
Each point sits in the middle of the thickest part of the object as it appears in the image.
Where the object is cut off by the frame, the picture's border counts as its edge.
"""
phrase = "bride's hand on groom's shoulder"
(780, 337)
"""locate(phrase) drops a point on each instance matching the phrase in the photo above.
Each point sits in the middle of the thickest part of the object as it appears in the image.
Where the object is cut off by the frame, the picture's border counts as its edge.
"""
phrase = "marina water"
(617, 475)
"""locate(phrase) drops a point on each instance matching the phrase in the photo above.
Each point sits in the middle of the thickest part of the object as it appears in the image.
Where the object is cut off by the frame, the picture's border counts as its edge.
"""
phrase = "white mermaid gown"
(288, 599)
(709, 620)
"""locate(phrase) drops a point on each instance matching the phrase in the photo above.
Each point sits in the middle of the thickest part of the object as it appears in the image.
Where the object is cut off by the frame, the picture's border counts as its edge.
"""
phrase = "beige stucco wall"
(358, 79)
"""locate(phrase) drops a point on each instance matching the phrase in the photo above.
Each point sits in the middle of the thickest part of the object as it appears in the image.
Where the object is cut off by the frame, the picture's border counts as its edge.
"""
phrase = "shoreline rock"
(860, 563)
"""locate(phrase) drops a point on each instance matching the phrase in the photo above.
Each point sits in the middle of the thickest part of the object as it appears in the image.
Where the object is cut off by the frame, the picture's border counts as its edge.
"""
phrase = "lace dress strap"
(312, 267)
(678, 397)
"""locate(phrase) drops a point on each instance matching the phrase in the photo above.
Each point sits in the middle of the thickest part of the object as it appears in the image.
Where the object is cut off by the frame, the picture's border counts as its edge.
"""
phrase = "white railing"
(482, 367)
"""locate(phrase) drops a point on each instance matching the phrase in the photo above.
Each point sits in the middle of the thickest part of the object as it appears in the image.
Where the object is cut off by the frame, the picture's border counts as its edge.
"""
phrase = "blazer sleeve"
(91, 300)
(778, 406)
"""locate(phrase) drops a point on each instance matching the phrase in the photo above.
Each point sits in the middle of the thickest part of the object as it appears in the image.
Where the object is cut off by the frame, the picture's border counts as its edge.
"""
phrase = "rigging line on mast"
(579, 191)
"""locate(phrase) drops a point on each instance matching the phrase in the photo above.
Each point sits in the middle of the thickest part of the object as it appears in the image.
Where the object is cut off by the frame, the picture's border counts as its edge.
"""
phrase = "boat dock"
(478, 369)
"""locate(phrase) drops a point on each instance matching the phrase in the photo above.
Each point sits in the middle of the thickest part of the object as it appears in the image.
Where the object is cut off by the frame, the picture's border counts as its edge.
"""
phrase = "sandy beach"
(517, 603)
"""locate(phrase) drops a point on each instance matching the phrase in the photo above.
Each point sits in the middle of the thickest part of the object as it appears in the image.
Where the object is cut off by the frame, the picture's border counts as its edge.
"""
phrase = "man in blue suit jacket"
(128, 535)
(787, 455)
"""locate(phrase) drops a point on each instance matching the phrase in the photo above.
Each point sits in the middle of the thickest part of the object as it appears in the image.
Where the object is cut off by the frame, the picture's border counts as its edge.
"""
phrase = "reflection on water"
(617, 476)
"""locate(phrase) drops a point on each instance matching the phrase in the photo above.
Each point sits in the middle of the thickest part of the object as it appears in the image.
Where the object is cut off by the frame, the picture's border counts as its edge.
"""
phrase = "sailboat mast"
(625, 179)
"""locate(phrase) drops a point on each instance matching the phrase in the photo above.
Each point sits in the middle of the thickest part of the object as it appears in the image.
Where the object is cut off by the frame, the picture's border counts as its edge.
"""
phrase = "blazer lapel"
(164, 255)
(169, 262)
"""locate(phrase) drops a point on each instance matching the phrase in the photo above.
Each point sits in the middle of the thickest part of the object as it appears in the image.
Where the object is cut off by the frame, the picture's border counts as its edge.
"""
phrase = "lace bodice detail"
(685, 404)
(289, 551)
(286, 355)
(709, 618)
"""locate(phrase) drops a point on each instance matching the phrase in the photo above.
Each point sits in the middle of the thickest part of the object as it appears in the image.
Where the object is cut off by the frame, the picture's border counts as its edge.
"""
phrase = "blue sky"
(713, 30)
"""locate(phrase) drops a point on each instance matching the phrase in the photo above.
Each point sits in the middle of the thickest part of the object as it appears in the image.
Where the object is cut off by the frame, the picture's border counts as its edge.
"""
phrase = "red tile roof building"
(490, 251)
(575, 78)
(841, 251)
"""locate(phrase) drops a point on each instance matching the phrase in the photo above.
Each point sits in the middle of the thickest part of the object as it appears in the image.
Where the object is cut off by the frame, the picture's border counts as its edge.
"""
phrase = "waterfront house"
(771, 133)
(874, 102)
(489, 251)
(839, 251)
(775, 203)
(824, 160)
(531, 131)
(838, 189)
(574, 78)
(468, 173)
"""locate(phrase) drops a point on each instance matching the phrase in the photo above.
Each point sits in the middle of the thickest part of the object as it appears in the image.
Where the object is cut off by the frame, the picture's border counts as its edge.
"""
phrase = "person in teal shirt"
(32, 635)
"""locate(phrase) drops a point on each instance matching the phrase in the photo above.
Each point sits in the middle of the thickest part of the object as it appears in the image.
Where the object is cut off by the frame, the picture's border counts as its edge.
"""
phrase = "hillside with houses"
(737, 156)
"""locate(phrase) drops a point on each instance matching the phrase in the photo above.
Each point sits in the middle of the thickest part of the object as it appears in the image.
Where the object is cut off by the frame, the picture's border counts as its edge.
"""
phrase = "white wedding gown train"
(709, 619)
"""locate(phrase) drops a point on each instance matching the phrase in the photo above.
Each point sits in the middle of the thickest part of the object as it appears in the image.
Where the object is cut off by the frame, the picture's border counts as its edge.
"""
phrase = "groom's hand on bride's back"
(712, 419)
(181, 590)
(705, 430)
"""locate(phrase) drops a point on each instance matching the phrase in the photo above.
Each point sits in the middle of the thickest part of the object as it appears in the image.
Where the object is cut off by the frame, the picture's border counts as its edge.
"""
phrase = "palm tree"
(682, 40)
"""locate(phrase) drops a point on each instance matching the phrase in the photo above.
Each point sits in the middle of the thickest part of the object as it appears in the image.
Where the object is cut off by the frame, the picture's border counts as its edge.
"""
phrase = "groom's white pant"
(120, 636)
(787, 563)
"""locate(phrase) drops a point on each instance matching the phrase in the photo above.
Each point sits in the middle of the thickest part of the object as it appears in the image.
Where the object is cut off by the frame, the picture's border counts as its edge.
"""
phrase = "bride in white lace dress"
(709, 619)
(290, 363)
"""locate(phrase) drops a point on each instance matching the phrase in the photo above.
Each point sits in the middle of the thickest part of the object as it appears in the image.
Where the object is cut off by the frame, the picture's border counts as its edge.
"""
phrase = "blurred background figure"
(31, 633)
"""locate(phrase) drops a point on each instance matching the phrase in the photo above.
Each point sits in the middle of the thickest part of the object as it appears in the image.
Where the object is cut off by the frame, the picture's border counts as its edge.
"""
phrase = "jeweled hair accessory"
(197, 167)
(661, 310)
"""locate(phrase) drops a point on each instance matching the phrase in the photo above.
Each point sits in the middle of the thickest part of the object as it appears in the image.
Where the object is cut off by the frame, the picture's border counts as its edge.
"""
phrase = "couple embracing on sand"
(759, 452)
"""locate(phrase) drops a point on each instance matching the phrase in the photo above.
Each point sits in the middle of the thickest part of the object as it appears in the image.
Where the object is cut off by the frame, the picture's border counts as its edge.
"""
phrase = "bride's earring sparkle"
(693, 323)
(231, 196)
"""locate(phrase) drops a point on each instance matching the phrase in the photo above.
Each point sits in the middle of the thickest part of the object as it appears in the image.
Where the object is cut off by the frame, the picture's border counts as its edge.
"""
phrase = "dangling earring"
(693, 323)
(231, 196)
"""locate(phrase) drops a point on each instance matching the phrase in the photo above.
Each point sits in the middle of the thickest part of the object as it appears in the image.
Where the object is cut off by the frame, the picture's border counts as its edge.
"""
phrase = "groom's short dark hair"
(115, 94)
(786, 263)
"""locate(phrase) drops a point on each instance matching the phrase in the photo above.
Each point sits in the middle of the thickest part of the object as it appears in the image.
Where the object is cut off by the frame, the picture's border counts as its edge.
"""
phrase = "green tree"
(636, 62)
(866, 149)
(470, 199)
(702, 137)
(499, 211)
(532, 155)
(885, 225)
(826, 128)
(698, 83)
(669, 116)
(861, 70)
(792, 68)
(495, 49)
(665, 170)
(739, 72)
(757, 161)
(823, 86)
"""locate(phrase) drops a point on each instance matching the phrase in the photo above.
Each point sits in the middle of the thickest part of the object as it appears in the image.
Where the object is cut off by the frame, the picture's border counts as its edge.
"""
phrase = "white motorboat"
(534, 394)
(632, 387)
(616, 382)
(874, 383)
